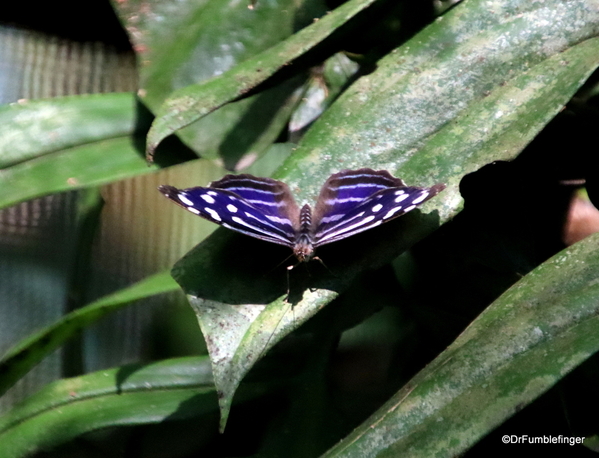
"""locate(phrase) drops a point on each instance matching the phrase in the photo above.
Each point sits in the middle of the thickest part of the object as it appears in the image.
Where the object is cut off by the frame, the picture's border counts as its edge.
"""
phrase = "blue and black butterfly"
(350, 202)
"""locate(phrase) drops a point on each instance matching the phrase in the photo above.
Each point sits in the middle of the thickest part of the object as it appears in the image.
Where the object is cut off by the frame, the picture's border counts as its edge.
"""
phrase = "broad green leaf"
(69, 143)
(444, 76)
(189, 42)
(520, 346)
(193, 102)
(242, 132)
(464, 92)
(32, 128)
(24, 355)
(129, 395)
(94, 164)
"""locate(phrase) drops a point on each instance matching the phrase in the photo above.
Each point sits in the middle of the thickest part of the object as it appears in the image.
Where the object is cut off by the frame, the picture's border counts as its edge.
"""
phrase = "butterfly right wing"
(346, 190)
(259, 207)
(353, 201)
(377, 209)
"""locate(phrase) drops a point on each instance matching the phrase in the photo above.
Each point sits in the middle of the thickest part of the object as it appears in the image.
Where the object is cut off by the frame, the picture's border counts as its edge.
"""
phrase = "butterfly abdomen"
(303, 247)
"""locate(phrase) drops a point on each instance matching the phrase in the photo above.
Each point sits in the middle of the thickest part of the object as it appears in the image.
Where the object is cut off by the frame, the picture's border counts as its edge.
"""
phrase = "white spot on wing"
(194, 210)
(208, 198)
(392, 212)
(423, 195)
(184, 199)
(212, 213)
(238, 220)
(232, 208)
(401, 198)
(377, 207)
(360, 223)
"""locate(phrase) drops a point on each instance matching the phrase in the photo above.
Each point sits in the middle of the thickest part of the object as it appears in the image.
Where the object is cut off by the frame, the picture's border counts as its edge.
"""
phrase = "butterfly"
(350, 202)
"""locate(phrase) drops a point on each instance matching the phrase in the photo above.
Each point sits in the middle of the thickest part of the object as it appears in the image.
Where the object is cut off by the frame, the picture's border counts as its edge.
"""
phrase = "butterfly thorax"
(303, 248)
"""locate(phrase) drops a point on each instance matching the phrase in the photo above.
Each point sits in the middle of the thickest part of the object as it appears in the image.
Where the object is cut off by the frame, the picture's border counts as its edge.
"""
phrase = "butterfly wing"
(259, 207)
(353, 201)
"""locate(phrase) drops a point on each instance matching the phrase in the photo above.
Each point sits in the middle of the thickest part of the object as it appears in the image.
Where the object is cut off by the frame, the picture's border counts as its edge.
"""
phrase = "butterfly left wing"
(259, 207)
(354, 201)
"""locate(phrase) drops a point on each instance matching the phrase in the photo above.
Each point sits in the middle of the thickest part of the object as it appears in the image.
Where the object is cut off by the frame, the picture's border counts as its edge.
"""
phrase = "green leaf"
(241, 132)
(32, 128)
(441, 86)
(191, 103)
(26, 354)
(68, 143)
(129, 395)
(194, 41)
(527, 340)
(462, 93)
(90, 165)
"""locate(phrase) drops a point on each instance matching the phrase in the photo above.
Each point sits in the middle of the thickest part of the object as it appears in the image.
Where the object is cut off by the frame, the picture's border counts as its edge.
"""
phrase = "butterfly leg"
(289, 269)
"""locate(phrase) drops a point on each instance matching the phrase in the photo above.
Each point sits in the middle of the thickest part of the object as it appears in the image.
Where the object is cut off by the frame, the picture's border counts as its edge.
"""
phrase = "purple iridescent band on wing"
(350, 202)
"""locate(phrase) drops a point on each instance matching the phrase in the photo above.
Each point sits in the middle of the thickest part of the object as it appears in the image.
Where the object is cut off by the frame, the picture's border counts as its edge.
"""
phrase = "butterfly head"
(303, 249)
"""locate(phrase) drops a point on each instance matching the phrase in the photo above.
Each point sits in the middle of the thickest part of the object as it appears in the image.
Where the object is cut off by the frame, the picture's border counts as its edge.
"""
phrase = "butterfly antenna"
(316, 258)
(277, 266)
(275, 329)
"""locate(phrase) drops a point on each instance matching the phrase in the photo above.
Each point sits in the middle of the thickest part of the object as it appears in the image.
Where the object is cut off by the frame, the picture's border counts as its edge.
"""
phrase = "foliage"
(475, 100)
